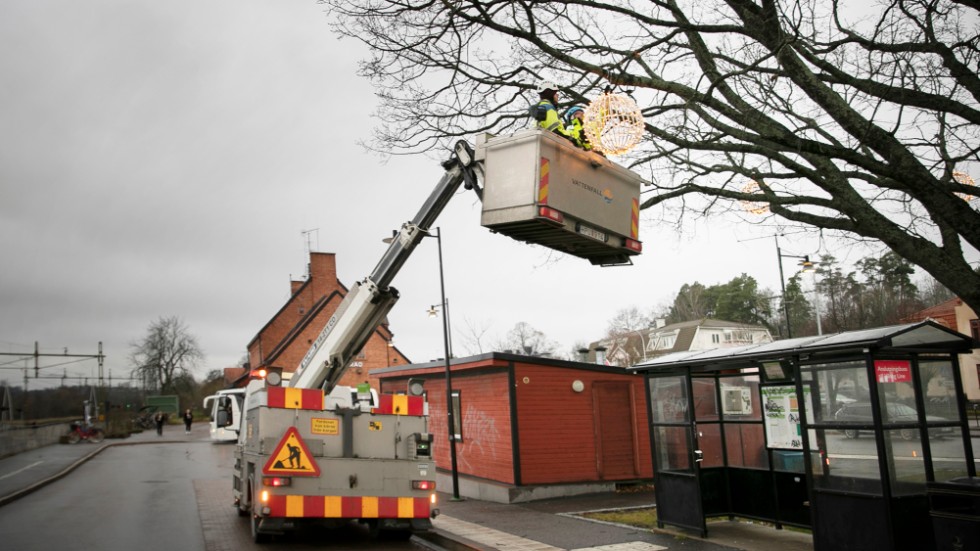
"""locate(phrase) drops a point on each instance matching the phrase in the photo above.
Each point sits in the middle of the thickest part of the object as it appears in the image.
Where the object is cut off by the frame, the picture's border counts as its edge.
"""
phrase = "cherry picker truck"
(311, 451)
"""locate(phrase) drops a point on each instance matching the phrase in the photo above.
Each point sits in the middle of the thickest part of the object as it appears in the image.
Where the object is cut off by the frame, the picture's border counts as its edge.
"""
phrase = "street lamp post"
(782, 284)
(807, 266)
(450, 418)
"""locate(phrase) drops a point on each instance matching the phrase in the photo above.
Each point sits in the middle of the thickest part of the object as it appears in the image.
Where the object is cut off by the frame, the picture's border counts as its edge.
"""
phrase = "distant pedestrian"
(160, 419)
(188, 419)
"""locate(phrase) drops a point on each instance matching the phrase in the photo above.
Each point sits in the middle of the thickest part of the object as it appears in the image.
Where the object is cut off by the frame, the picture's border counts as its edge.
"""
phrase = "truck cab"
(225, 407)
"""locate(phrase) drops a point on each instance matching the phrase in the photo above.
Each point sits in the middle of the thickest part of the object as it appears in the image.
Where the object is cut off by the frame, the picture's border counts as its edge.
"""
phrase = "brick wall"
(558, 433)
(287, 337)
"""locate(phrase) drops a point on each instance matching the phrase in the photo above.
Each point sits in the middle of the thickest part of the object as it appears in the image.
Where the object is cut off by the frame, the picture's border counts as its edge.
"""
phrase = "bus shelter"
(839, 433)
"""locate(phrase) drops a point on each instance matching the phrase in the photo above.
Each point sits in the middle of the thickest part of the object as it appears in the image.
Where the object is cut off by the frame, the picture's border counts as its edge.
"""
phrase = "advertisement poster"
(782, 415)
(893, 371)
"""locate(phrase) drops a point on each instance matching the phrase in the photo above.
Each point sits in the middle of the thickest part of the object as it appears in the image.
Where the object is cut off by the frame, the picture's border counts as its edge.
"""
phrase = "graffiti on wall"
(480, 434)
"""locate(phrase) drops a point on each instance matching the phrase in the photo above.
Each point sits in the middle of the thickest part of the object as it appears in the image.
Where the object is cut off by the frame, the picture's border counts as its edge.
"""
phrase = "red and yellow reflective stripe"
(635, 219)
(294, 398)
(400, 404)
(348, 507)
(543, 181)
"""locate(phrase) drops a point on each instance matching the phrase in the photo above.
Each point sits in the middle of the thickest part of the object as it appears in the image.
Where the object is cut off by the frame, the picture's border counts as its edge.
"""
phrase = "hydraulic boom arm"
(370, 300)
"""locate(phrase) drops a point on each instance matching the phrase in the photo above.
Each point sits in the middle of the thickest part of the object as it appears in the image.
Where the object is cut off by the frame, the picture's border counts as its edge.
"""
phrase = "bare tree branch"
(848, 117)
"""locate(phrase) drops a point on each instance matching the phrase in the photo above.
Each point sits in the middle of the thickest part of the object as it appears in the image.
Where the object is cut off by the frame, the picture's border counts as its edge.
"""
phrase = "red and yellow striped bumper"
(347, 507)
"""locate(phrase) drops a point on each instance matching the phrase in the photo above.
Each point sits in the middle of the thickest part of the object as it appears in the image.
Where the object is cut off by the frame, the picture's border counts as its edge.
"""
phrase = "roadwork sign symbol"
(291, 457)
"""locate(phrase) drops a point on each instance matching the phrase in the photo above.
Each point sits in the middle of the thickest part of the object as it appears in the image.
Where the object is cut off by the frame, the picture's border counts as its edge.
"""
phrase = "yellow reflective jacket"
(577, 134)
(550, 119)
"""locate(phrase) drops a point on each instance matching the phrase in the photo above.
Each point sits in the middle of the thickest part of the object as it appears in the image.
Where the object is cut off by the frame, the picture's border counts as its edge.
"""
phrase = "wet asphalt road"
(149, 497)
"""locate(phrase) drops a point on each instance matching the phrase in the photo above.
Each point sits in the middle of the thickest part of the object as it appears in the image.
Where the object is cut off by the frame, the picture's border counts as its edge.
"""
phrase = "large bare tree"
(166, 354)
(856, 118)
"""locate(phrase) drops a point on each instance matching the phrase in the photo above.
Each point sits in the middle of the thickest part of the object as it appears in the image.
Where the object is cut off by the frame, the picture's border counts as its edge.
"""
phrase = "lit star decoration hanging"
(754, 207)
(964, 179)
(613, 123)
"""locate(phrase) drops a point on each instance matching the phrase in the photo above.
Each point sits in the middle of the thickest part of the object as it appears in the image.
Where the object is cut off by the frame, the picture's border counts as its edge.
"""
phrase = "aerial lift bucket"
(539, 188)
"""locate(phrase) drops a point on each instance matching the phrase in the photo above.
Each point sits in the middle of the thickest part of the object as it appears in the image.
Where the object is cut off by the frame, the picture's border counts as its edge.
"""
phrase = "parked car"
(144, 417)
(860, 413)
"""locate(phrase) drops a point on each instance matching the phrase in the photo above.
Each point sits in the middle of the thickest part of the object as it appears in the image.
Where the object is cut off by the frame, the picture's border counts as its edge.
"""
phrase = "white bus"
(228, 400)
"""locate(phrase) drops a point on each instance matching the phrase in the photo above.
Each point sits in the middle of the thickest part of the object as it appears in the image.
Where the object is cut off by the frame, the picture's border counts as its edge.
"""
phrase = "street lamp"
(805, 266)
(433, 311)
(450, 418)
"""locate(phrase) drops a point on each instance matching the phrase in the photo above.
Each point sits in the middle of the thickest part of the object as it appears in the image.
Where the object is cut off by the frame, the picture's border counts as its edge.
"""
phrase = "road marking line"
(34, 464)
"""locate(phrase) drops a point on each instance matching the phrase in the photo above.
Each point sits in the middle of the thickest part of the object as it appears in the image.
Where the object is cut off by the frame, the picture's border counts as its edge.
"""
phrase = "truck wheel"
(258, 537)
(850, 433)
(374, 528)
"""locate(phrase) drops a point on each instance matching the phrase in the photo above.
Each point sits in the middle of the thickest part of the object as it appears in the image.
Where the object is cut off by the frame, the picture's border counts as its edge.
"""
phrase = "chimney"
(323, 273)
(600, 355)
(583, 354)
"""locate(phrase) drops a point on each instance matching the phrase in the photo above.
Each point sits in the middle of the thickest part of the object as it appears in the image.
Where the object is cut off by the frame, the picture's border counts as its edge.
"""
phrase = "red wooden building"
(533, 428)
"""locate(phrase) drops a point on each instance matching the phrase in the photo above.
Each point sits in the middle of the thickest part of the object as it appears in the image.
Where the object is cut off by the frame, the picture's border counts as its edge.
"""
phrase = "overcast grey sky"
(164, 158)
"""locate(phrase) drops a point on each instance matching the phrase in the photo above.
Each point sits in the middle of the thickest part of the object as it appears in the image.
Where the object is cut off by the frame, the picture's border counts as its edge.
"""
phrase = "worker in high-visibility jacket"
(574, 118)
(546, 111)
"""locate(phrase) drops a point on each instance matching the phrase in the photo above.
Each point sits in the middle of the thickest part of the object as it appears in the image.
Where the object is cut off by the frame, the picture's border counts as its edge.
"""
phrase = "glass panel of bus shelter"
(745, 444)
(938, 390)
(740, 398)
(895, 391)
(705, 399)
(673, 448)
(709, 442)
(848, 464)
(834, 385)
(949, 458)
(668, 400)
(906, 466)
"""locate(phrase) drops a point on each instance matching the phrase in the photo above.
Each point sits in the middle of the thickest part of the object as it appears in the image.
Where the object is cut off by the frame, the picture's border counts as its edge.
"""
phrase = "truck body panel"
(356, 459)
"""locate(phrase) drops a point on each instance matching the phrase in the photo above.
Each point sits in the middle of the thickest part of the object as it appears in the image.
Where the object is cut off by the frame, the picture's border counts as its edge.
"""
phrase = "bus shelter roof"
(924, 336)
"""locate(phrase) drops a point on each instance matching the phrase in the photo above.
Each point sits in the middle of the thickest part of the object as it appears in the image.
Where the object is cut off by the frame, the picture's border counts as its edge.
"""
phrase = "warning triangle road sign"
(291, 457)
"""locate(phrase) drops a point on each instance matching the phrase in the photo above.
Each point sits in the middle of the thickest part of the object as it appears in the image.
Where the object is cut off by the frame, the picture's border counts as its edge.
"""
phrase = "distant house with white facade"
(956, 315)
(702, 334)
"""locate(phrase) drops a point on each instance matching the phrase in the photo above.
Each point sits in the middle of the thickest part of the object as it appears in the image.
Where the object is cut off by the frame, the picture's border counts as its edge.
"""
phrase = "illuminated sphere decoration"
(613, 123)
(964, 179)
(754, 207)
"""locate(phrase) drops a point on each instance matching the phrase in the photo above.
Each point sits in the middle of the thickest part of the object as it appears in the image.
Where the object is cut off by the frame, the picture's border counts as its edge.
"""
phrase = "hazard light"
(272, 377)
(423, 484)
(634, 245)
(276, 481)
(551, 214)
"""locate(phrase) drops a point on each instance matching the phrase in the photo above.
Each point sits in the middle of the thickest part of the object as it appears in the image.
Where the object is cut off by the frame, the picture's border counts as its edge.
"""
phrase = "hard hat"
(572, 110)
(546, 85)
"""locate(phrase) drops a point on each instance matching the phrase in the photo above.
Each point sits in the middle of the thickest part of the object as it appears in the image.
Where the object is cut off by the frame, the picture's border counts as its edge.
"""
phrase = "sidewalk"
(552, 525)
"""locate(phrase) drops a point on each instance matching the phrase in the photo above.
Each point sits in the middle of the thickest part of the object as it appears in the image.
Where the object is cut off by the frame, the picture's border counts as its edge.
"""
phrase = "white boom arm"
(370, 300)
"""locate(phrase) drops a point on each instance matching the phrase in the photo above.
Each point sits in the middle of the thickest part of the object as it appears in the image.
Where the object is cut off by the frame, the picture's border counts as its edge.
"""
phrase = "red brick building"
(533, 428)
(287, 337)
